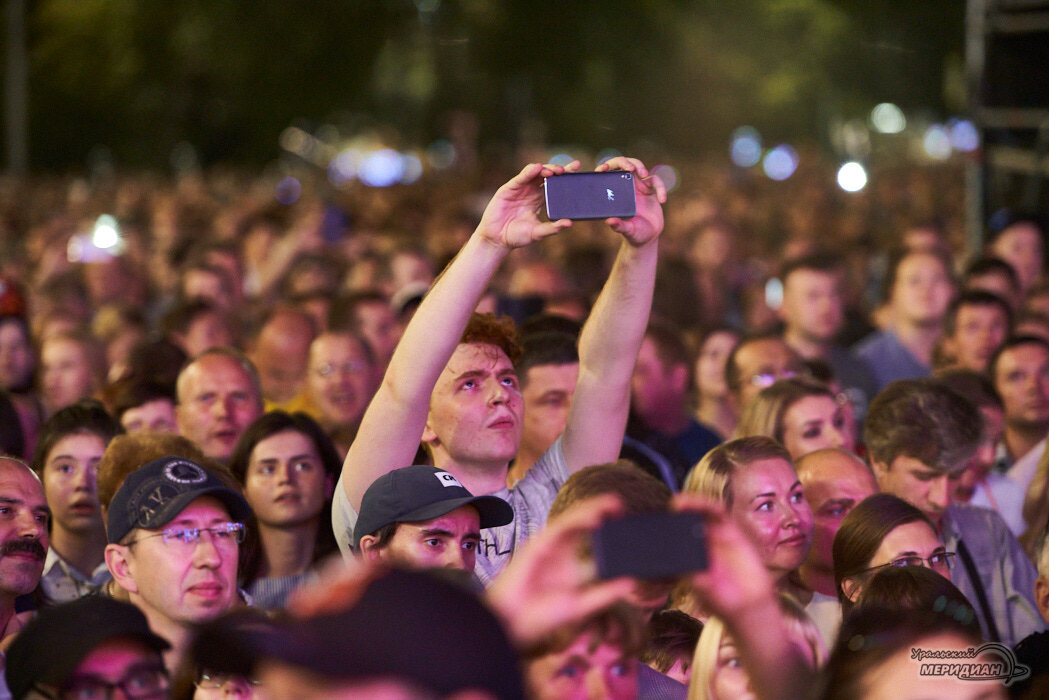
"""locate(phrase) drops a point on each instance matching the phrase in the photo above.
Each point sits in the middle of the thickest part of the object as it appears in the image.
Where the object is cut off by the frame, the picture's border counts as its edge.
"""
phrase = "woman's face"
(710, 365)
(908, 543)
(730, 680)
(16, 357)
(815, 422)
(285, 482)
(769, 505)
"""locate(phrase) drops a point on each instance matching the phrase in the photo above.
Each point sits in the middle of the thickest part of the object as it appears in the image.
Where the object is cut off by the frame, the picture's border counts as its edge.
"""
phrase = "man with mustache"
(23, 541)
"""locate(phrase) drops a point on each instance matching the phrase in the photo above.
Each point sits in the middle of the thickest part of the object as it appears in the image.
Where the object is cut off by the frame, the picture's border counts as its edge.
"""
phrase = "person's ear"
(851, 588)
(368, 549)
(118, 562)
(1041, 596)
(329, 486)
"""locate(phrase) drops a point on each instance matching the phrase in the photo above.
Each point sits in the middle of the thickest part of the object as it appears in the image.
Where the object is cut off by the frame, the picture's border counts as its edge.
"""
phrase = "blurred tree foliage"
(139, 77)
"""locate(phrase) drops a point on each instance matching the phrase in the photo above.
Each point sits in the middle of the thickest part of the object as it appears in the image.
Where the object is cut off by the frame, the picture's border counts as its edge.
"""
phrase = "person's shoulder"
(971, 520)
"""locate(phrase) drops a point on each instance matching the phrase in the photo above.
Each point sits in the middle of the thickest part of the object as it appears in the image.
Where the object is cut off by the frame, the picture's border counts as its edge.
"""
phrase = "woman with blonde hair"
(754, 479)
(802, 414)
(718, 672)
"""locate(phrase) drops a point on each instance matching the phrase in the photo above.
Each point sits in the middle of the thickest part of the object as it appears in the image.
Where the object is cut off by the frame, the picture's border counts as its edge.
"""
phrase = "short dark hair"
(670, 345)
(132, 392)
(672, 637)
(1011, 342)
(85, 417)
(546, 348)
(990, 265)
(733, 380)
(343, 312)
(974, 297)
(182, 316)
(820, 261)
(975, 387)
(924, 420)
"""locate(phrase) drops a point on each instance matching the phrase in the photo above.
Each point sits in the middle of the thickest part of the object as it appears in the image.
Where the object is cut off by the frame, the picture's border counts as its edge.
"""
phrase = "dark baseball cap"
(421, 627)
(53, 644)
(155, 494)
(416, 493)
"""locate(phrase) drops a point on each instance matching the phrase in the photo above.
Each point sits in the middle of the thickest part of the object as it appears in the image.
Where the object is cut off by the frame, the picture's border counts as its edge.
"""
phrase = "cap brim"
(493, 510)
(238, 508)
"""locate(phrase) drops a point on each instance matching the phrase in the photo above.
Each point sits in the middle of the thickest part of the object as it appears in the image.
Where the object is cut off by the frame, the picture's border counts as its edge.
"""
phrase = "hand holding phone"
(581, 196)
(651, 545)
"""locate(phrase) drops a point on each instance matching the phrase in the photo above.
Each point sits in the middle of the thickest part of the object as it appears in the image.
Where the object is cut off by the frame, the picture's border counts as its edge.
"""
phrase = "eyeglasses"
(143, 683)
(937, 561)
(351, 367)
(218, 681)
(227, 535)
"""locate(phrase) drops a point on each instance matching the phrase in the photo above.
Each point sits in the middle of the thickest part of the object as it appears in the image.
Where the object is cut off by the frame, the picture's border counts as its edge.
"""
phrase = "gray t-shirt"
(531, 498)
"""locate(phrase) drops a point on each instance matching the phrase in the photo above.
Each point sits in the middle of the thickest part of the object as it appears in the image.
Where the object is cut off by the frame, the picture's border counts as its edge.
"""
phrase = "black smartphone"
(651, 546)
(590, 195)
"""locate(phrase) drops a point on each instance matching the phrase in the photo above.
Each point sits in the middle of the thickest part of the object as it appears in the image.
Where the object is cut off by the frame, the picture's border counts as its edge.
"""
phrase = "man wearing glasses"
(87, 648)
(920, 436)
(174, 531)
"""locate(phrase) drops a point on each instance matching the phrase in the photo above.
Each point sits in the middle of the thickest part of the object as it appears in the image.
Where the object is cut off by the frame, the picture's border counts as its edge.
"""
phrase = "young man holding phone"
(461, 396)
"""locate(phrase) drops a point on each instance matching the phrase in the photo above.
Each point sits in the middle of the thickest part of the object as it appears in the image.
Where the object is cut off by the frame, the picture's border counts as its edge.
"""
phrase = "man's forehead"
(809, 277)
(466, 513)
(1025, 354)
(203, 508)
(16, 477)
(477, 357)
(335, 345)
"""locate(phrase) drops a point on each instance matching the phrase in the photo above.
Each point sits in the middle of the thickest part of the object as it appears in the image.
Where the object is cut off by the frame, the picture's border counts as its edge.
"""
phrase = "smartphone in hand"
(651, 546)
(590, 195)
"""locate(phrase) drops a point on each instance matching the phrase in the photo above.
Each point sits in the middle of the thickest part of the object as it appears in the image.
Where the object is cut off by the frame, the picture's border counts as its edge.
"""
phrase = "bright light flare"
(937, 142)
(964, 136)
(106, 233)
(780, 162)
(288, 190)
(852, 177)
(381, 168)
(746, 147)
(887, 118)
(668, 175)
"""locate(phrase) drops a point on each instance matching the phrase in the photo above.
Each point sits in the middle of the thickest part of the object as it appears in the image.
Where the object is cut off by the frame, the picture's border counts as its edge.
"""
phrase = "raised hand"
(651, 194)
(548, 584)
(512, 219)
(736, 578)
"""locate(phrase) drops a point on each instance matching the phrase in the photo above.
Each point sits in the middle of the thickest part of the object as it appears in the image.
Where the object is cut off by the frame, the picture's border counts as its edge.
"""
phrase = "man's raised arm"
(612, 335)
(393, 423)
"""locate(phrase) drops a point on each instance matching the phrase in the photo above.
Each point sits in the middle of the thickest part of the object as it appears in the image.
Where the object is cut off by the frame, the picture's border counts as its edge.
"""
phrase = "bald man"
(280, 353)
(834, 481)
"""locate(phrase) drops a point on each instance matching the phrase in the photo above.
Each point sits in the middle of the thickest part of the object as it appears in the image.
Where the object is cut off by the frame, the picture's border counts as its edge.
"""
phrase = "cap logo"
(447, 479)
(185, 473)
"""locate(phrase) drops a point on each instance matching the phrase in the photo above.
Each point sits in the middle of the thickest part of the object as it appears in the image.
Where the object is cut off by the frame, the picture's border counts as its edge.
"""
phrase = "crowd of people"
(363, 445)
